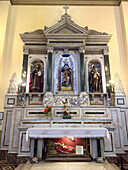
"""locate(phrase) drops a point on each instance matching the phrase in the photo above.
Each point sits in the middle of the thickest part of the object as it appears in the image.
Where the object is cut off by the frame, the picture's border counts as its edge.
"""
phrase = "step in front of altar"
(66, 158)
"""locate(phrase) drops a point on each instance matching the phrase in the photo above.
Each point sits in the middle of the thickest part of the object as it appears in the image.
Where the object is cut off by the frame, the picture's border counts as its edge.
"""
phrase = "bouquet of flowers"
(47, 109)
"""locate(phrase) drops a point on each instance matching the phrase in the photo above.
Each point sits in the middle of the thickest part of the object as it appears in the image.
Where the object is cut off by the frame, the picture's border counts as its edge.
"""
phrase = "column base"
(100, 160)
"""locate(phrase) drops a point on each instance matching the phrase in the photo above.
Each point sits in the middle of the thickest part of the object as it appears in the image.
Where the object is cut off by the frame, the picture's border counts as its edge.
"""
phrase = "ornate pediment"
(66, 26)
(65, 29)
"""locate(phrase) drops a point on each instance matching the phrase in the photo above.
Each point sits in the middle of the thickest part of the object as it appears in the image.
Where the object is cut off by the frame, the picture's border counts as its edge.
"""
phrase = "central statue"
(66, 70)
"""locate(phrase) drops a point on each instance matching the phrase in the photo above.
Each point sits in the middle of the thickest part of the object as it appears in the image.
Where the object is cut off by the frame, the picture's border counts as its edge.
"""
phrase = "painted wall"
(29, 18)
(124, 15)
(4, 27)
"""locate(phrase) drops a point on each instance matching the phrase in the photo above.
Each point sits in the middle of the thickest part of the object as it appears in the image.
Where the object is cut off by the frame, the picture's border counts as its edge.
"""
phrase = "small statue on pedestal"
(66, 112)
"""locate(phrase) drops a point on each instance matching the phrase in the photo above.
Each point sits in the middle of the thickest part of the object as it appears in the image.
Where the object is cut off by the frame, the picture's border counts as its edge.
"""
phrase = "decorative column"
(106, 64)
(25, 65)
(39, 149)
(100, 151)
(32, 148)
(93, 148)
(50, 52)
(82, 75)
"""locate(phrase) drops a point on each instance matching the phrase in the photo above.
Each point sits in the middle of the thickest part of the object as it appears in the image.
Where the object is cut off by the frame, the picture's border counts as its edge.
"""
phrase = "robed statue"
(36, 80)
(66, 70)
(66, 112)
(94, 80)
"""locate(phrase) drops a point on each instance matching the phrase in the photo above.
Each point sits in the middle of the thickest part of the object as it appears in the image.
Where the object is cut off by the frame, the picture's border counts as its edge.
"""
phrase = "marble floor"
(68, 166)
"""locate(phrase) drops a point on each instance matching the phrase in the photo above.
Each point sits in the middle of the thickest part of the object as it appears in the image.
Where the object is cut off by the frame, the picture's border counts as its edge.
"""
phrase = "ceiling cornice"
(67, 2)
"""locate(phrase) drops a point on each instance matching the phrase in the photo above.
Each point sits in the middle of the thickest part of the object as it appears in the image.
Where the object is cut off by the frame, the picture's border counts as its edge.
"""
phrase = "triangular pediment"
(66, 26)
(65, 30)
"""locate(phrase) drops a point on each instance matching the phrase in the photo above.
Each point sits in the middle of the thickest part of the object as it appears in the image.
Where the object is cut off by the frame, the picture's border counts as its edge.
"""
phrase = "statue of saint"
(66, 75)
(36, 80)
(66, 112)
(94, 80)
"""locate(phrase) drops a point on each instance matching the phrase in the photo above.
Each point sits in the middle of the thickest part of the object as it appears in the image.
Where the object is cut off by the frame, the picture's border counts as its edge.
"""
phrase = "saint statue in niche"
(66, 70)
(36, 80)
(94, 80)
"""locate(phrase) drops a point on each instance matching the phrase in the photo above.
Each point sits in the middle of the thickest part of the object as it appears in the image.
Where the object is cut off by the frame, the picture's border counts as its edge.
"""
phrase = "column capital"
(50, 49)
(82, 49)
(106, 50)
(26, 50)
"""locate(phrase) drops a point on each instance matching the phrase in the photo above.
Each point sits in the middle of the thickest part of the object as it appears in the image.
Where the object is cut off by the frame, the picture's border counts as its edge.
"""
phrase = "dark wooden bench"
(123, 158)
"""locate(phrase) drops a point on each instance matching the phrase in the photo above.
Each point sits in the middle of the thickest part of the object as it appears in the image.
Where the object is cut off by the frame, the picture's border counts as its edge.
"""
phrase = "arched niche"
(72, 63)
(32, 61)
(98, 62)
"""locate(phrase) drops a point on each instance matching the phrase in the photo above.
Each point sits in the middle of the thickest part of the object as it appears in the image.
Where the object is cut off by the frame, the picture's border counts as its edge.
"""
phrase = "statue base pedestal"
(67, 117)
(66, 92)
(66, 88)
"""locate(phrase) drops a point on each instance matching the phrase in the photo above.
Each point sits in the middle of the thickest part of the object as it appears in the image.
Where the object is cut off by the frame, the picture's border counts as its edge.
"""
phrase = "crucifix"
(66, 7)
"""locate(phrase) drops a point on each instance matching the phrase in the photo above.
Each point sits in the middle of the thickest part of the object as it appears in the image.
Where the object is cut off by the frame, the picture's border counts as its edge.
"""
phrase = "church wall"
(124, 6)
(30, 18)
(5, 9)
(124, 9)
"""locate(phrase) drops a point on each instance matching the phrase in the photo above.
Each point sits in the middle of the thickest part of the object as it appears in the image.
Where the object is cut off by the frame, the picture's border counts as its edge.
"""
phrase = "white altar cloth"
(85, 132)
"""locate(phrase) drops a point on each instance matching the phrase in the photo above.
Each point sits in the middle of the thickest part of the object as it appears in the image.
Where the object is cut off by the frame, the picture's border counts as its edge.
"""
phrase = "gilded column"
(49, 71)
(82, 75)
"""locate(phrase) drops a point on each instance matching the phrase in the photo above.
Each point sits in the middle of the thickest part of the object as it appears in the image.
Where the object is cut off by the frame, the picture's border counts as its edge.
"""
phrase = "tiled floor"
(68, 166)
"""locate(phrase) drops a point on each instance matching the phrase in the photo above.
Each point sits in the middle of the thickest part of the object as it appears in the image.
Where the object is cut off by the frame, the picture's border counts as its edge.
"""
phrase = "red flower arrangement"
(47, 109)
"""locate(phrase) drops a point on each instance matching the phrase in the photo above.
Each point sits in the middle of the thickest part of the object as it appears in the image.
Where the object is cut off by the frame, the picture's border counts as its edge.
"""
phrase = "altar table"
(83, 132)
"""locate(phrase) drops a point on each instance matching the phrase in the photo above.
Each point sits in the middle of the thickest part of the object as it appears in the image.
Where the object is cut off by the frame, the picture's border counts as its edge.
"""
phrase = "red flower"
(45, 111)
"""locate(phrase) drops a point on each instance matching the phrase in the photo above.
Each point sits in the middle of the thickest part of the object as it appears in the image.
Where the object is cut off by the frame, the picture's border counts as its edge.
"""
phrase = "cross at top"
(66, 7)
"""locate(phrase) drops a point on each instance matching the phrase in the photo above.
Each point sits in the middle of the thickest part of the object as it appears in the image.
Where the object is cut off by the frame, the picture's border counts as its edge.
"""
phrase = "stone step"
(19, 167)
(27, 166)
(69, 165)
(66, 159)
(116, 168)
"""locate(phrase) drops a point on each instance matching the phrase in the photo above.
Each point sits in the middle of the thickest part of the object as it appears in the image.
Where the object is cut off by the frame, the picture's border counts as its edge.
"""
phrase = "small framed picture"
(120, 101)
(1, 115)
(11, 101)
